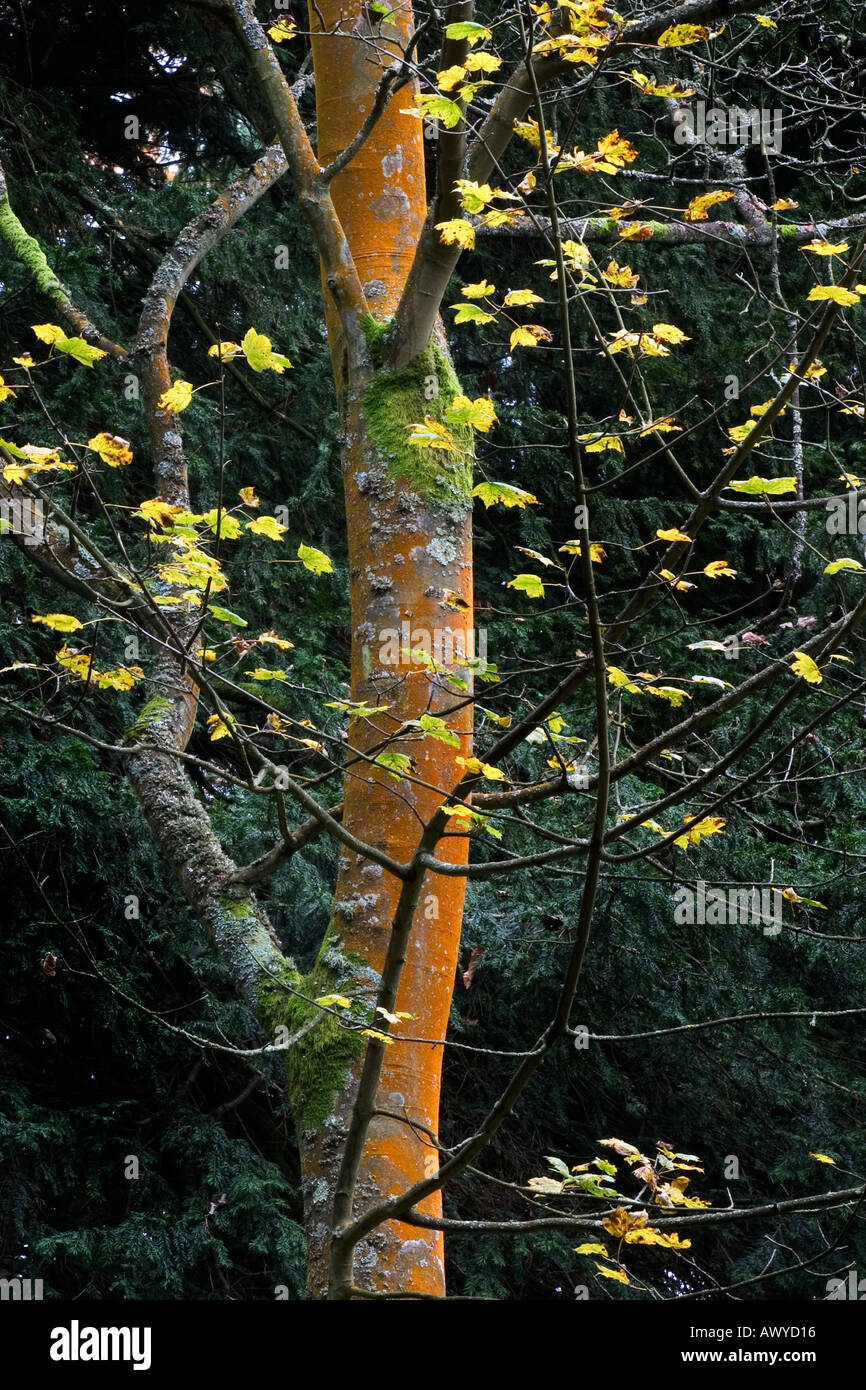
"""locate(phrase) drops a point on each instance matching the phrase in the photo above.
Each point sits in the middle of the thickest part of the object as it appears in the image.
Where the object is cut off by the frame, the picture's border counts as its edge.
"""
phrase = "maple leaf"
(111, 449)
(480, 413)
(836, 293)
(260, 355)
(505, 493)
(528, 584)
(804, 666)
(825, 248)
(58, 622)
(678, 35)
(481, 289)
(315, 560)
(697, 208)
(267, 526)
(432, 434)
(530, 335)
(457, 232)
(177, 397)
(521, 298)
(673, 534)
(48, 333)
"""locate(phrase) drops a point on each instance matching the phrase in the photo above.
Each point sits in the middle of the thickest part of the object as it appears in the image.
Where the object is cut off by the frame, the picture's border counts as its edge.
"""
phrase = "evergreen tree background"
(89, 1076)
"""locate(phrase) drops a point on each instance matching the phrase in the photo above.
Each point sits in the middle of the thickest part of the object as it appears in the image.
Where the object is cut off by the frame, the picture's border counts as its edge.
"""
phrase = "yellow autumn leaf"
(619, 1275)
(480, 289)
(387, 1014)
(718, 569)
(825, 248)
(49, 333)
(457, 232)
(285, 28)
(267, 526)
(650, 1236)
(474, 765)
(529, 335)
(480, 413)
(602, 443)
(700, 829)
(447, 79)
(665, 425)
(620, 1222)
(669, 333)
(248, 496)
(596, 552)
(219, 728)
(432, 434)
(376, 1035)
(177, 397)
(521, 298)
(111, 449)
(635, 231)
(682, 584)
(122, 678)
(671, 693)
(620, 275)
(225, 351)
(78, 663)
(58, 622)
(473, 196)
(157, 512)
(823, 1158)
(836, 293)
(619, 678)
(697, 208)
(260, 355)
(316, 561)
(281, 643)
(590, 1248)
(673, 535)
(681, 34)
(804, 666)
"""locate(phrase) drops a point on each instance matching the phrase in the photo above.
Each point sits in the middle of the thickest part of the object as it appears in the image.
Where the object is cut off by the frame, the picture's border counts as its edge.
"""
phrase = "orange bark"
(403, 553)
(380, 197)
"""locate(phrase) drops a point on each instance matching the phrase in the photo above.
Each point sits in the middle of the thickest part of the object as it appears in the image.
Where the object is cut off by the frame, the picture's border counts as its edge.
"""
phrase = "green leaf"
(260, 355)
(444, 110)
(528, 584)
(225, 615)
(471, 313)
(774, 487)
(261, 673)
(80, 350)
(438, 729)
(472, 33)
(844, 564)
(397, 764)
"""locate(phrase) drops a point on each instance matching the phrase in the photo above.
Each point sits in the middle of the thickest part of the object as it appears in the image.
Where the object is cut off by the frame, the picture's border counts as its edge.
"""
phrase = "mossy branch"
(27, 250)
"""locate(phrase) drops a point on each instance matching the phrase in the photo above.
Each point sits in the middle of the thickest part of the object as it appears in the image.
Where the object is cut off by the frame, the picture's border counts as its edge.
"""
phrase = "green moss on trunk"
(394, 400)
(151, 714)
(318, 1067)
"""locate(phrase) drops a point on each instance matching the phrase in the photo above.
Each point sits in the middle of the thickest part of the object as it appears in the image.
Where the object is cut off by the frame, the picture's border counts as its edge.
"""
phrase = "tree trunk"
(409, 528)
